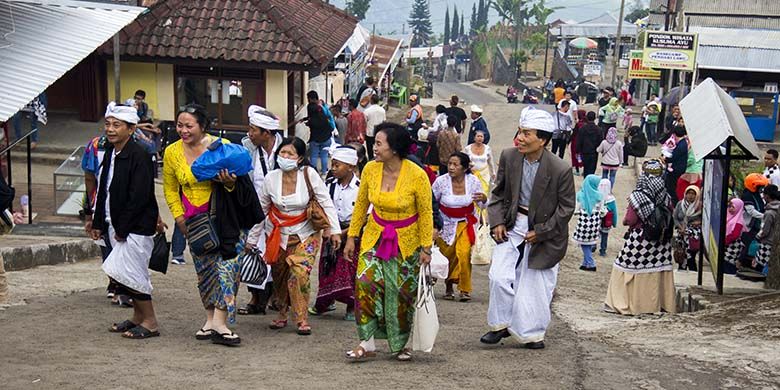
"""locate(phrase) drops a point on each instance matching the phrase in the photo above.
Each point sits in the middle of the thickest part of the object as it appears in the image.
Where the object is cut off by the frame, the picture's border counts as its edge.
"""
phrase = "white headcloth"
(262, 118)
(123, 113)
(346, 155)
(534, 118)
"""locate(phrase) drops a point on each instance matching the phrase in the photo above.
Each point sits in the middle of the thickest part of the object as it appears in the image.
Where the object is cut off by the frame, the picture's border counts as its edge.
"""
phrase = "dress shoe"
(534, 345)
(494, 337)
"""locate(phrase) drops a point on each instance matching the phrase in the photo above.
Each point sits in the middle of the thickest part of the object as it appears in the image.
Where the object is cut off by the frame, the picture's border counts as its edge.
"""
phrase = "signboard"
(591, 70)
(637, 70)
(670, 50)
(712, 214)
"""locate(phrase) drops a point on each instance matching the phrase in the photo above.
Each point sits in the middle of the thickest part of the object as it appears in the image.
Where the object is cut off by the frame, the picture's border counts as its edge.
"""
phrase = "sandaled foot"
(465, 297)
(250, 309)
(450, 296)
(304, 329)
(350, 316)
(140, 332)
(278, 324)
(122, 327)
(204, 334)
(229, 339)
(404, 356)
(359, 354)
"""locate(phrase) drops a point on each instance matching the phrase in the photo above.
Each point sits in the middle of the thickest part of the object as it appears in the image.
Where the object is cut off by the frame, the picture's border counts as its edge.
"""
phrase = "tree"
(358, 8)
(473, 24)
(482, 17)
(637, 11)
(461, 26)
(447, 26)
(455, 27)
(420, 23)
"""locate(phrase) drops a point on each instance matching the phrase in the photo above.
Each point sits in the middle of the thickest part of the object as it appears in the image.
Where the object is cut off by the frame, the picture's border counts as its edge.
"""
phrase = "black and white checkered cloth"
(641, 256)
(762, 256)
(733, 251)
(588, 229)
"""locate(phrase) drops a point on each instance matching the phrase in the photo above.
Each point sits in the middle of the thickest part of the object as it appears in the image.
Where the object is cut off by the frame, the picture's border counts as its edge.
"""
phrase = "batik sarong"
(218, 282)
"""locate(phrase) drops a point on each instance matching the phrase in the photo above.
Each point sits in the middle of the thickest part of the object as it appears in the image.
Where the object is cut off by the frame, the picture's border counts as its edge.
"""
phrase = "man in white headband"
(262, 141)
(127, 114)
(337, 273)
(530, 229)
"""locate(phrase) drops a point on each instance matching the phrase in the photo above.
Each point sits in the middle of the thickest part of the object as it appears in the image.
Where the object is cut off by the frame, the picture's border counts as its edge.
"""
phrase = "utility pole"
(546, 50)
(616, 54)
(117, 88)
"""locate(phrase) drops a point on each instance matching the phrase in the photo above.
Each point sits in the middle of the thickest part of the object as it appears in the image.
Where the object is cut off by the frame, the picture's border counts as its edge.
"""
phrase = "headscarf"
(534, 118)
(736, 218)
(612, 135)
(612, 106)
(692, 209)
(605, 189)
(589, 196)
(650, 191)
(262, 118)
(582, 118)
(346, 154)
(124, 113)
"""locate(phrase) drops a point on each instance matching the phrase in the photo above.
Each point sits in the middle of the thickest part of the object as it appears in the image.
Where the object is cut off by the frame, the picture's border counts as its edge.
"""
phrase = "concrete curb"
(19, 258)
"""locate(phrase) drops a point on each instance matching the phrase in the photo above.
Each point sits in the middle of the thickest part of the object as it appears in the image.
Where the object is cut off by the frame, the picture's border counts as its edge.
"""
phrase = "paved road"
(468, 93)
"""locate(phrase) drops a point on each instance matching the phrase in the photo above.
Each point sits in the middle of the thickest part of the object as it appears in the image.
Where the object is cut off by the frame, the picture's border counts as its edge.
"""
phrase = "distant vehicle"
(511, 95)
(529, 96)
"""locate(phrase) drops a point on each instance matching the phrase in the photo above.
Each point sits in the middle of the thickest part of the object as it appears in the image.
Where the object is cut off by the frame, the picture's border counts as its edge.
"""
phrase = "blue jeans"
(319, 152)
(650, 132)
(33, 125)
(603, 244)
(609, 174)
(178, 243)
(587, 253)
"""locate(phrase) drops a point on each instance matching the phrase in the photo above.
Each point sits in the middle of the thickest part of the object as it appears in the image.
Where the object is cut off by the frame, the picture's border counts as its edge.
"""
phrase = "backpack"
(659, 226)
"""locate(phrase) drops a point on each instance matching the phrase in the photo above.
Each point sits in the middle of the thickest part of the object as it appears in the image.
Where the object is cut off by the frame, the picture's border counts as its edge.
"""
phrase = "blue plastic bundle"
(219, 156)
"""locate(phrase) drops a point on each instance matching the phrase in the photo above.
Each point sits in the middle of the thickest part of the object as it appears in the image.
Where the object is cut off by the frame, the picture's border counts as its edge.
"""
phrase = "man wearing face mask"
(262, 142)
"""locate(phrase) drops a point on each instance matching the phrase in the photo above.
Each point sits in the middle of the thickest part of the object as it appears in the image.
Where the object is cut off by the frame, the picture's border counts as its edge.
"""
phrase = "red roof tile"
(275, 33)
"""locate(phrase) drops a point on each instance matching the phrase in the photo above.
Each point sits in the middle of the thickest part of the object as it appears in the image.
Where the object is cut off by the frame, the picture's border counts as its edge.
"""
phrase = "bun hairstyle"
(465, 161)
(772, 192)
(398, 138)
(199, 112)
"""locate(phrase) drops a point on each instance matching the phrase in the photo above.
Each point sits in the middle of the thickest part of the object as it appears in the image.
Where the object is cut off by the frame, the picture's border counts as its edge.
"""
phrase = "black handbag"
(160, 254)
(202, 233)
(253, 268)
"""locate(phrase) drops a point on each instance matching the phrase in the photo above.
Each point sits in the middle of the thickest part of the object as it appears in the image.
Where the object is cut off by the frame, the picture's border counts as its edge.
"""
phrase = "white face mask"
(286, 164)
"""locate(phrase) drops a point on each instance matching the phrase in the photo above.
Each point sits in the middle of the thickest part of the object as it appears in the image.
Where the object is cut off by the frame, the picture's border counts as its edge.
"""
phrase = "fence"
(7, 152)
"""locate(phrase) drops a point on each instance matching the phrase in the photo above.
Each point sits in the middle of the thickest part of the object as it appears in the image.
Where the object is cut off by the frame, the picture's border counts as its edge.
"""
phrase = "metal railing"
(7, 152)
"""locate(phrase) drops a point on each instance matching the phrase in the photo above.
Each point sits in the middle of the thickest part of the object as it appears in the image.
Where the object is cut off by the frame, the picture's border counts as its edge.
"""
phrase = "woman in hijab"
(611, 113)
(735, 225)
(576, 158)
(589, 212)
(687, 219)
(642, 278)
(610, 220)
(611, 150)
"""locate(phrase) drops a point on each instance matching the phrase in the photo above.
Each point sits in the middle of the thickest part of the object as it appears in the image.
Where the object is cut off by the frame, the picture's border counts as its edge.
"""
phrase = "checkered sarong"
(733, 251)
(588, 227)
(642, 256)
(762, 256)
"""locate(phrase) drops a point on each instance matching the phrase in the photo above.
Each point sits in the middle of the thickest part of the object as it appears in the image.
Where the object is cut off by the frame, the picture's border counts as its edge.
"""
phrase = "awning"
(40, 40)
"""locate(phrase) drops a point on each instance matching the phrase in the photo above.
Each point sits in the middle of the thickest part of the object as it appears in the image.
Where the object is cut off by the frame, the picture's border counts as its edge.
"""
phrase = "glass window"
(226, 98)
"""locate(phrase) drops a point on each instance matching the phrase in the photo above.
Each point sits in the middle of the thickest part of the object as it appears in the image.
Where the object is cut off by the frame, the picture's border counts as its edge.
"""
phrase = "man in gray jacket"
(529, 213)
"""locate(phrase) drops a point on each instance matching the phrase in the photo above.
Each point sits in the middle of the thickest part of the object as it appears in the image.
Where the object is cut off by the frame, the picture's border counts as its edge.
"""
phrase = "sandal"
(139, 332)
(450, 296)
(304, 329)
(465, 297)
(278, 324)
(359, 354)
(250, 309)
(204, 334)
(405, 355)
(122, 327)
(229, 339)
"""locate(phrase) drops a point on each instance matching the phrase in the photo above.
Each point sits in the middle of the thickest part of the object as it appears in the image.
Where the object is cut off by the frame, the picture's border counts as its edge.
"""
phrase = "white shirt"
(440, 123)
(344, 197)
(108, 186)
(296, 203)
(258, 175)
(481, 161)
(442, 191)
(773, 174)
(375, 115)
(572, 109)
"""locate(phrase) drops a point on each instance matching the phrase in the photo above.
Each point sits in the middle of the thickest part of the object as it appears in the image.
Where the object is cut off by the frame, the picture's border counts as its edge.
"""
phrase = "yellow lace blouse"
(177, 174)
(412, 195)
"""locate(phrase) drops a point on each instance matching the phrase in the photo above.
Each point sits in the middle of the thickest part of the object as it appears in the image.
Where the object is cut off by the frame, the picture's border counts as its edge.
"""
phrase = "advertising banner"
(591, 70)
(670, 50)
(637, 70)
(712, 214)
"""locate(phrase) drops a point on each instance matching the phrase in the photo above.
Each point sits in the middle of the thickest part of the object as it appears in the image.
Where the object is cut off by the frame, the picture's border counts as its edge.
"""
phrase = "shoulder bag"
(315, 212)
(253, 267)
(202, 233)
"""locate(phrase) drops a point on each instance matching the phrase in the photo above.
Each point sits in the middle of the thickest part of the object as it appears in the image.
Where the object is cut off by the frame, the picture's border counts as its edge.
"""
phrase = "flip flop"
(223, 339)
(449, 296)
(304, 330)
(405, 355)
(278, 324)
(140, 332)
(465, 297)
(250, 309)
(359, 354)
(204, 334)
(122, 327)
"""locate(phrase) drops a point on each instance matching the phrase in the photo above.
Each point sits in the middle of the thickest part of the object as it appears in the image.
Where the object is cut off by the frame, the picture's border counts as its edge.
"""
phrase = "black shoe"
(534, 345)
(494, 337)
(591, 269)
(583, 268)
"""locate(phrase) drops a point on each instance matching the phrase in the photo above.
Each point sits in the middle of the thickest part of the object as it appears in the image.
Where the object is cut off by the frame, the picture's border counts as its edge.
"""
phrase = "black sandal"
(204, 334)
(122, 327)
(224, 339)
(250, 309)
(140, 332)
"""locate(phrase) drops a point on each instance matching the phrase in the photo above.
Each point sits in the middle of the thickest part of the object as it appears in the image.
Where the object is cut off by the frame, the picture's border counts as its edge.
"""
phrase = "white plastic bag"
(426, 319)
(440, 265)
(482, 251)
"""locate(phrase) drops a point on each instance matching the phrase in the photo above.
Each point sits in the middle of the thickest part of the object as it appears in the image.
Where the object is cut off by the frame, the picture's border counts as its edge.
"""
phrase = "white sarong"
(520, 297)
(128, 262)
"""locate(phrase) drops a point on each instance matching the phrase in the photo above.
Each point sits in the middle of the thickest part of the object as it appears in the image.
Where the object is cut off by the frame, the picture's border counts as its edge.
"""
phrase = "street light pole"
(616, 53)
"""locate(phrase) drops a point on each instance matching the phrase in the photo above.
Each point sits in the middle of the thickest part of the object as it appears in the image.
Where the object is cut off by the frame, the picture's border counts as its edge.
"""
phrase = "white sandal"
(405, 355)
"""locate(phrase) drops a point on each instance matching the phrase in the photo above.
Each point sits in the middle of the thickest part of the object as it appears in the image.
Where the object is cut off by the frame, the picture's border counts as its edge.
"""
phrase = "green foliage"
(473, 24)
(447, 26)
(636, 11)
(461, 33)
(358, 8)
(420, 23)
(455, 30)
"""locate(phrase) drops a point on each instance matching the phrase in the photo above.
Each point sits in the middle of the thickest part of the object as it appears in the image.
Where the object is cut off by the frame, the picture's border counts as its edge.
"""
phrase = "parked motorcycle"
(511, 95)
(529, 97)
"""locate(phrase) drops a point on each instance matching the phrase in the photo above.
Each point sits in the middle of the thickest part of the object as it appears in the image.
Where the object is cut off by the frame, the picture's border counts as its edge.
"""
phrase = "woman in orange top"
(396, 239)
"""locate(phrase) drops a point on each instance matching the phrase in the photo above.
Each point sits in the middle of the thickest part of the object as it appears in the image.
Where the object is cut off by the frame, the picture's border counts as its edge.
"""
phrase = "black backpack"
(659, 225)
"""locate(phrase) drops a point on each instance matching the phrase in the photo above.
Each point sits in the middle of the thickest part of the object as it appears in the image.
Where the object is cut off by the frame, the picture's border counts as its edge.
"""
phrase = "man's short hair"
(773, 153)
(454, 99)
(565, 103)
(140, 93)
(312, 95)
(374, 99)
(591, 116)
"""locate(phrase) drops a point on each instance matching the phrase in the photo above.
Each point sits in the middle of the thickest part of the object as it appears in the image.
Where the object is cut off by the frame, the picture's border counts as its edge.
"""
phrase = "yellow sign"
(670, 50)
(636, 69)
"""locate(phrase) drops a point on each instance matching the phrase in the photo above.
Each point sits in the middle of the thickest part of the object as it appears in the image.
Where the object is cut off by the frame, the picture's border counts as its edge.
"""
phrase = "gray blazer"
(550, 209)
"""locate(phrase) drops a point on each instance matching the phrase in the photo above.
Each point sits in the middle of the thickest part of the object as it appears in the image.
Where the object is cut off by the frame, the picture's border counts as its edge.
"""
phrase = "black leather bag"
(162, 248)
(202, 233)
